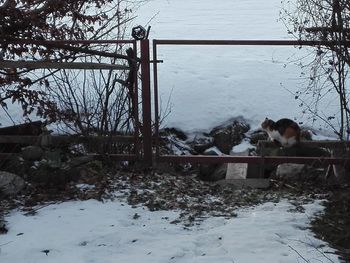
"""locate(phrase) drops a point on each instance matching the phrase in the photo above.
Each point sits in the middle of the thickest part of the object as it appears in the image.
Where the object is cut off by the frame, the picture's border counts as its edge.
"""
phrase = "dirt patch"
(197, 199)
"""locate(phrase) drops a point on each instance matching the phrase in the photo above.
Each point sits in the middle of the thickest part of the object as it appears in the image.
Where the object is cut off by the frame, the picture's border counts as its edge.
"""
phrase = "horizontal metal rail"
(101, 157)
(59, 65)
(247, 42)
(237, 159)
(322, 144)
(252, 159)
(57, 139)
(72, 42)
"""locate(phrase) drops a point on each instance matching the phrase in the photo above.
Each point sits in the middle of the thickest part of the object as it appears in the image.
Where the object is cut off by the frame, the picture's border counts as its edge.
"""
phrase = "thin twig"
(306, 260)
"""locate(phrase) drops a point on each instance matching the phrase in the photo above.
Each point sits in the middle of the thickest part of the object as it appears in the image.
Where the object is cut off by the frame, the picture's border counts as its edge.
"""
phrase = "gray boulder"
(226, 136)
(10, 184)
(290, 171)
(32, 153)
(201, 143)
(212, 172)
(257, 136)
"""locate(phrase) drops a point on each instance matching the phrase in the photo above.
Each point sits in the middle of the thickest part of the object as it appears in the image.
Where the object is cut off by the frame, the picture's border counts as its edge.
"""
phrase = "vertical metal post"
(136, 104)
(262, 165)
(155, 94)
(146, 102)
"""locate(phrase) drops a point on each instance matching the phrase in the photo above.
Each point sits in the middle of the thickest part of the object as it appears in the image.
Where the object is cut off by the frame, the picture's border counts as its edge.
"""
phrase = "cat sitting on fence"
(285, 132)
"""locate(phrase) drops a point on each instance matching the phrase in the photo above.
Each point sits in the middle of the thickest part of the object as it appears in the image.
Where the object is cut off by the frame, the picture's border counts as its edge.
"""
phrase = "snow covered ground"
(92, 231)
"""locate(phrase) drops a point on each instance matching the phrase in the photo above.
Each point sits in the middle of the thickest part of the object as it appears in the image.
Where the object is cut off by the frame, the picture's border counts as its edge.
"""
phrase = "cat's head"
(267, 123)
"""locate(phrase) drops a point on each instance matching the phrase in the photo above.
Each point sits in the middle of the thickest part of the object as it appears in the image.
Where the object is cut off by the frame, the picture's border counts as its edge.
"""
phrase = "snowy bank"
(92, 231)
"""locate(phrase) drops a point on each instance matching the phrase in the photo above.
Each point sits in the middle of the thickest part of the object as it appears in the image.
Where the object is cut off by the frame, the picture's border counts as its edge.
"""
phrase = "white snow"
(208, 85)
(243, 146)
(93, 231)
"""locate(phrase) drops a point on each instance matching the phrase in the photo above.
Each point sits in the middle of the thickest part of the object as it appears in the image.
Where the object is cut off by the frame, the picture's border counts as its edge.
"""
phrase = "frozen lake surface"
(209, 85)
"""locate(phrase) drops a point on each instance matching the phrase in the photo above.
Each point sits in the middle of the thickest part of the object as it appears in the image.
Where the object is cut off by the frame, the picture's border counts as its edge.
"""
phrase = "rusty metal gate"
(135, 139)
(147, 145)
(261, 160)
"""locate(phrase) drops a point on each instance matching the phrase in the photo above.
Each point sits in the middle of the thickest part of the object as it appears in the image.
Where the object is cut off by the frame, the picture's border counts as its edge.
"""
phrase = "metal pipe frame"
(146, 103)
(136, 105)
(72, 42)
(247, 42)
(253, 159)
(262, 160)
(101, 157)
(136, 138)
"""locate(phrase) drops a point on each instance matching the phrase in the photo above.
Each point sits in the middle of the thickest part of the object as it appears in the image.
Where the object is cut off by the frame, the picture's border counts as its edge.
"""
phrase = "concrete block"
(237, 170)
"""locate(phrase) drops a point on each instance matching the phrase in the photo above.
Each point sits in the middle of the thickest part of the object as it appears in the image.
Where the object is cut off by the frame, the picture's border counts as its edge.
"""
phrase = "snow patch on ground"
(93, 231)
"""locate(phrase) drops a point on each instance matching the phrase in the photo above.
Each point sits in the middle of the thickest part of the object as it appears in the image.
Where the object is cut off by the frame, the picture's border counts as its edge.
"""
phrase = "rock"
(212, 151)
(177, 132)
(173, 141)
(10, 184)
(201, 143)
(51, 177)
(54, 158)
(54, 172)
(219, 173)
(32, 153)
(300, 150)
(212, 172)
(290, 171)
(223, 141)
(225, 137)
(200, 148)
(77, 173)
(14, 164)
(257, 136)
(77, 161)
(255, 171)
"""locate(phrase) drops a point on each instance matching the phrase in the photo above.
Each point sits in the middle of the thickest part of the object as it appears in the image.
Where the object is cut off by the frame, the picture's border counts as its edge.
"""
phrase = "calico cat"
(284, 131)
